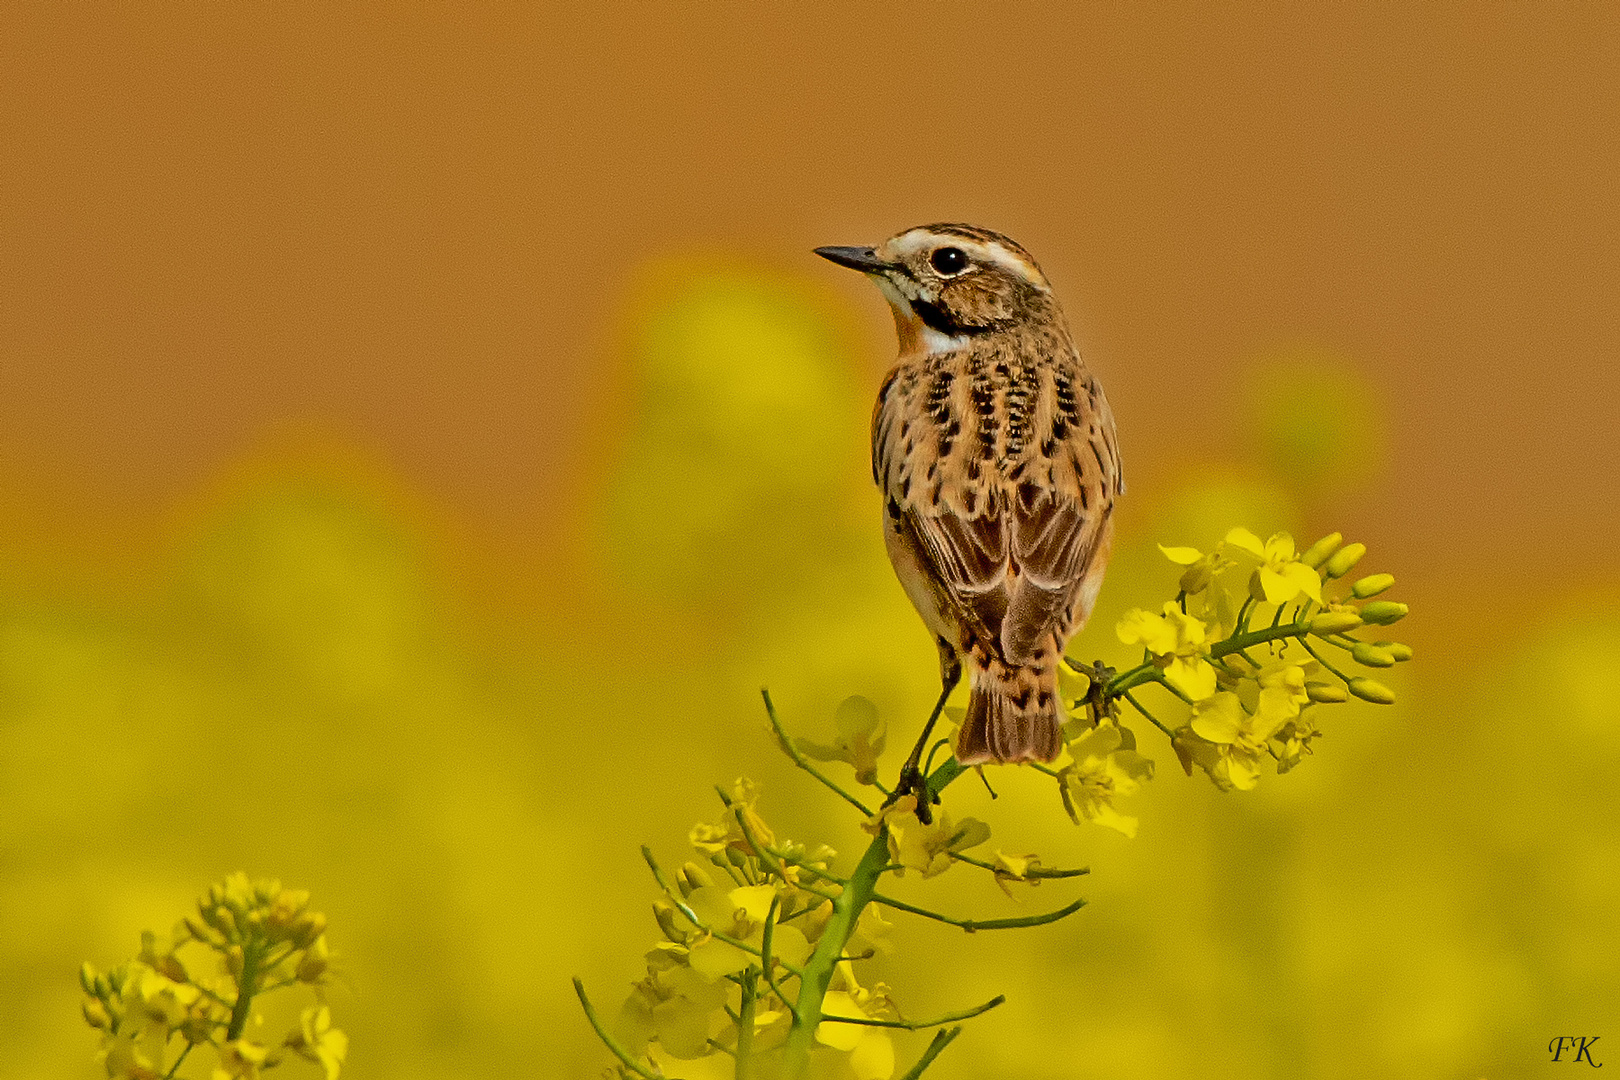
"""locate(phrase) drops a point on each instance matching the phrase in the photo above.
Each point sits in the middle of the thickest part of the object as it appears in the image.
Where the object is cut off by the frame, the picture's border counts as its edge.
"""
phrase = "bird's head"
(950, 283)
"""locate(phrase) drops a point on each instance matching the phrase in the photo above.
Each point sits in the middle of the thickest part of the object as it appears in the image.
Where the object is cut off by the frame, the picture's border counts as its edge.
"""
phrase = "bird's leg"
(1097, 703)
(912, 781)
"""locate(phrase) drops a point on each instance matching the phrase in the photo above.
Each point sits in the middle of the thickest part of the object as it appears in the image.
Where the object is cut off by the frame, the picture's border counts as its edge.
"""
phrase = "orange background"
(413, 249)
(413, 228)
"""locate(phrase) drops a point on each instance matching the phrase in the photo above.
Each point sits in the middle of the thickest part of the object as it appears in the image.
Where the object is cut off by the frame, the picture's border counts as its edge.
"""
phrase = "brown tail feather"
(1013, 715)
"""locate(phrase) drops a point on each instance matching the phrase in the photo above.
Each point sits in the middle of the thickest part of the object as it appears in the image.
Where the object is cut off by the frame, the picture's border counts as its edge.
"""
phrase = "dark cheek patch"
(936, 318)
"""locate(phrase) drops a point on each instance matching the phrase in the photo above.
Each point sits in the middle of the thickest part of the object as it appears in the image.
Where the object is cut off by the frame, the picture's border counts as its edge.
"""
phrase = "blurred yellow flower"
(1015, 868)
(681, 1019)
(160, 1003)
(1179, 644)
(1295, 738)
(241, 1059)
(126, 1059)
(317, 1040)
(859, 742)
(871, 1051)
(1102, 768)
(728, 834)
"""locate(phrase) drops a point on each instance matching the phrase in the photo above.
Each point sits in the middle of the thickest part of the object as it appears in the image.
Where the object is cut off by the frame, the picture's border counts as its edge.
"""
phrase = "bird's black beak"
(863, 259)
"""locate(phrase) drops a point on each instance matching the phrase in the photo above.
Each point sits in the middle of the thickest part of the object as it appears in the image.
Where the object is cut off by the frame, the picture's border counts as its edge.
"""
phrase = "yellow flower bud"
(95, 1014)
(1375, 692)
(1335, 622)
(221, 919)
(283, 916)
(1365, 652)
(87, 978)
(199, 930)
(312, 966)
(1399, 650)
(665, 913)
(233, 961)
(1383, 612)
(1318, 553)
(1343, 559)
(691, 877)
(1328, 693)
(310, 926)
(171, 968)
(1372, 585)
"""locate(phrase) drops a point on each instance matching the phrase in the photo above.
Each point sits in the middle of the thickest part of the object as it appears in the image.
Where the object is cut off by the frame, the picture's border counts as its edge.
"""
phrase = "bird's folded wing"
(1053, 542)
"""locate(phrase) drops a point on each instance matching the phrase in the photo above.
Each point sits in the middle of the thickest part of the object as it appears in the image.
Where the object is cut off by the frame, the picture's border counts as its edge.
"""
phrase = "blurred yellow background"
(423, 430)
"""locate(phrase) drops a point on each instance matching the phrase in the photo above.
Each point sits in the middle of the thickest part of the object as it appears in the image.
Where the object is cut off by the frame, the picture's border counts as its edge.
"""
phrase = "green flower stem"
(975, 925)
(799, 759)
(245, 989)
(817, 873)
(1172, 687)
(179, 1061)
(941, 778)
(1239, 642)
(745, 1021)
(919, 1025)
(942, 1039)
(1032, 872)
(608, 1040)
(766, 963)
(1323, 661)
(818, 970)
(1132, 678)
(1137, 705)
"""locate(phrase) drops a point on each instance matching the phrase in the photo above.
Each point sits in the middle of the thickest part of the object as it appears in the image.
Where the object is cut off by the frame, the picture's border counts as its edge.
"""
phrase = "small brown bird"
(995, 451)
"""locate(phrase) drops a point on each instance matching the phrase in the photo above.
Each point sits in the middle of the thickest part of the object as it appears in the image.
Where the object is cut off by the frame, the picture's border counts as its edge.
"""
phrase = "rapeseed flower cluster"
(1244, 649)
(154, 1010)
(757, 973)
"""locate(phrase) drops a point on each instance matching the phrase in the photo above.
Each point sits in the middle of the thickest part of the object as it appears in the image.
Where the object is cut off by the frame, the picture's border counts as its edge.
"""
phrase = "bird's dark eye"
(949, 260)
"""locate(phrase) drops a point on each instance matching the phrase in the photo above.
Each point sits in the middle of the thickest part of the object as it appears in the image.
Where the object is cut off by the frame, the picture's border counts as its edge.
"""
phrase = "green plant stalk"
(245, 990)
(818, 970)
(745, 1025)
(1148, 672)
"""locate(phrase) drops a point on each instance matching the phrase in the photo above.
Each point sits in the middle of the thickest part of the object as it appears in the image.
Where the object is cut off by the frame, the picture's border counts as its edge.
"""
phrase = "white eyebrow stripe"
(915, 240)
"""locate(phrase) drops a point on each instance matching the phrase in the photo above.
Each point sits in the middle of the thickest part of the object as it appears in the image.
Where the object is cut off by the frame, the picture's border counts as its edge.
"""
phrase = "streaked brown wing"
(1053, 543)
(1010, 567)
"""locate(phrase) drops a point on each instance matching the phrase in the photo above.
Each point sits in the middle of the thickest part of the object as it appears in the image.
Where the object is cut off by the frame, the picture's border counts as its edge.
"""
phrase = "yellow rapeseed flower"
(1281, 576)
(1101, 770)
(859, 741)
(1238, 736)
(926, 848)
(1179, 643)
(1201, 568)
(317, 1040)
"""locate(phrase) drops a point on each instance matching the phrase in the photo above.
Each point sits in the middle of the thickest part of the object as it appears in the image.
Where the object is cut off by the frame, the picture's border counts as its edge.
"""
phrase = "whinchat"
(995, 452)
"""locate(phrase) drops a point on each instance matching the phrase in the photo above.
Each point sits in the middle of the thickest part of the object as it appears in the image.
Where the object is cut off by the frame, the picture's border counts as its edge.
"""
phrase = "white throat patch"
(932, 340)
